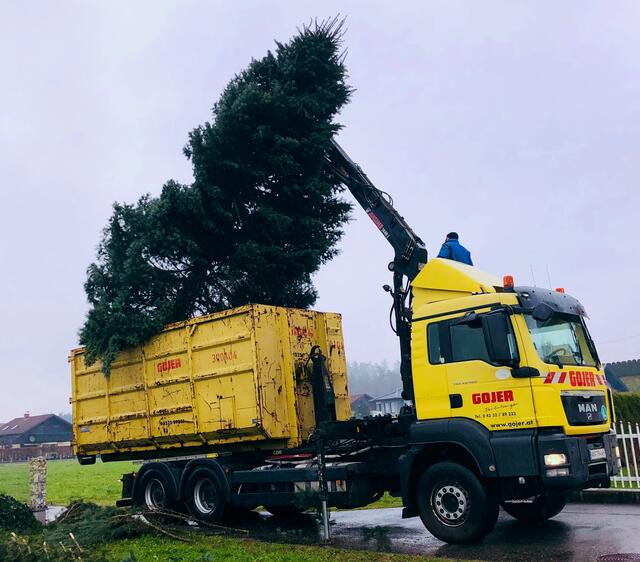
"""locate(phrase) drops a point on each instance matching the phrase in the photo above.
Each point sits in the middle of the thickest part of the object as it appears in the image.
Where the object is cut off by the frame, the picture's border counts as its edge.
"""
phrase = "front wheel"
(454, 504)
(542, 507)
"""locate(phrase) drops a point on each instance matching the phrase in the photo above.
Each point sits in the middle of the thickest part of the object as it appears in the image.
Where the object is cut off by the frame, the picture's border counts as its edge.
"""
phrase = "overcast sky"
(514, 123)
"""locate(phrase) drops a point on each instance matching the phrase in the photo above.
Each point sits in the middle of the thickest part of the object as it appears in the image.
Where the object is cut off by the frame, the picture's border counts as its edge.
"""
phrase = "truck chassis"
(349, 464)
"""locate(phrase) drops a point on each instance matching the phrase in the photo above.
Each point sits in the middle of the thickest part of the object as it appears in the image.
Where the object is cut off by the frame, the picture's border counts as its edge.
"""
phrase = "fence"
(629, 444)
(48, 451)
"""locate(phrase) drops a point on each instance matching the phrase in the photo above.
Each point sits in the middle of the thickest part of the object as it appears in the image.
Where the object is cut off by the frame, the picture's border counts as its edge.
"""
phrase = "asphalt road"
(582, 532)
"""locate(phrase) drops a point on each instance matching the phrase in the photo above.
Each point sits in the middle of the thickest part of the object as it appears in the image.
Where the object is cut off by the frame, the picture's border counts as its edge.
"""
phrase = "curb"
(605, 495)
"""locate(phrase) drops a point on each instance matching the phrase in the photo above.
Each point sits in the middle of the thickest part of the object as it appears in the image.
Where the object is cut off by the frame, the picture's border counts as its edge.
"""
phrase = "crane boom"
(410, 253)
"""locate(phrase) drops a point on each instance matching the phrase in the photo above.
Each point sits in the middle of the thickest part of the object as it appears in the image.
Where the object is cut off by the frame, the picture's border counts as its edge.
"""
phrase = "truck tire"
(204, 495)
(454, 504)
(284, 511)
(154, 492)
(543, 507)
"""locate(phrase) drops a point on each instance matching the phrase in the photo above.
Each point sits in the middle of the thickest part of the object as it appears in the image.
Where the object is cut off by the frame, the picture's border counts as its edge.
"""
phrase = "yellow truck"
(506, 401)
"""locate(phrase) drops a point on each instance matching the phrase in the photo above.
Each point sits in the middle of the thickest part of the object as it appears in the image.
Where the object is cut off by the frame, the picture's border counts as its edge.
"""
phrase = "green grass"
(98, 483)
(385, 501)
(154, 549)
(628, 485)
(67, 480)
(218, 548)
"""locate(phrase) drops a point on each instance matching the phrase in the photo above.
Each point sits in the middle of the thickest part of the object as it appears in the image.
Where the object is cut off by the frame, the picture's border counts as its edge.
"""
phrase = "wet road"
(582, 532)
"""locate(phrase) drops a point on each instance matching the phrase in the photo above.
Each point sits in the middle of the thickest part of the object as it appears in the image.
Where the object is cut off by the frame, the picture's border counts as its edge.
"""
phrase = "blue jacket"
(453, 250)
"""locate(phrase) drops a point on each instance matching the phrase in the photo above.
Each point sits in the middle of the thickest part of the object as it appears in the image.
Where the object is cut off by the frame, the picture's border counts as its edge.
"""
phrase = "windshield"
(561, 340)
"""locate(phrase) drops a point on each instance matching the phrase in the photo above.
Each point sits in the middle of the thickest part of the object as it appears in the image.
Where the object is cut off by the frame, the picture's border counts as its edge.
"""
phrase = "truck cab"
(507, 400)
(507, 382)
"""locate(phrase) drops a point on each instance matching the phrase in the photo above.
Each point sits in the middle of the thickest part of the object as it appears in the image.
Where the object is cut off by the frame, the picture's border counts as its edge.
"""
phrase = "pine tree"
(261, 216)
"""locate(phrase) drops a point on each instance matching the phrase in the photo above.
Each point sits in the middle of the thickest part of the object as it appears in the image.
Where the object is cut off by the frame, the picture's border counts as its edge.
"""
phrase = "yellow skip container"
(237, 380)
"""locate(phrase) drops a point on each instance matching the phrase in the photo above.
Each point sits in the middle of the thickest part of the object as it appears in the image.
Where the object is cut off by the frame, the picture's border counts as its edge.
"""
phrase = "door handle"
(455, 400)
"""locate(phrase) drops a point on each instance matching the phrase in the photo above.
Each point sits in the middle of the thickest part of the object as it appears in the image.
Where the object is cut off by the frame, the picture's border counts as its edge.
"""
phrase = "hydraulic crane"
(410, 253)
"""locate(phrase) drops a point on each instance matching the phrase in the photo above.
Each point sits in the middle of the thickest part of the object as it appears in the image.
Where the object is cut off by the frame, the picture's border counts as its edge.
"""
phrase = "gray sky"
(515, 123)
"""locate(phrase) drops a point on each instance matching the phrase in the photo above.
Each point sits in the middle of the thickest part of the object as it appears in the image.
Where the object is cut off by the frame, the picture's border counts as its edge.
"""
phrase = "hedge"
(627, 406)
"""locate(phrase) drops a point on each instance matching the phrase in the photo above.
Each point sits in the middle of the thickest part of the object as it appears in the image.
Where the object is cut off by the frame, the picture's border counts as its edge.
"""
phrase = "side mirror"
(496, 334)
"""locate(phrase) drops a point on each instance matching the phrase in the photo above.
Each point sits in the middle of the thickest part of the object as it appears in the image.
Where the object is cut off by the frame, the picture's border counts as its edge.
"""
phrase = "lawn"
(628, 485)
(67, 480)
(98, 483)
(385, 501)
(205, 549)
(155, 548)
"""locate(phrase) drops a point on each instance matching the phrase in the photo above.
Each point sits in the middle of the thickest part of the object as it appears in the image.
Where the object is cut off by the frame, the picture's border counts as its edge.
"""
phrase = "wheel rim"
(450, 502)
(155, 496)
(205, 496)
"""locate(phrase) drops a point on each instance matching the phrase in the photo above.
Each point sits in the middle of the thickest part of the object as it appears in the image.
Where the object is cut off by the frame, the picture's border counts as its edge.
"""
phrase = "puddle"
(50, 514)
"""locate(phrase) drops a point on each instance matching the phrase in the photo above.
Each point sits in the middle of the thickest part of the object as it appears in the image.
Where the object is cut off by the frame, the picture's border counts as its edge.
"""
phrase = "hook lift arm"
(410, 253)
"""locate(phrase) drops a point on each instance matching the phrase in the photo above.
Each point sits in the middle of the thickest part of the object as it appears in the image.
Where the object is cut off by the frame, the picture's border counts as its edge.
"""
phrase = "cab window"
(467, 342)
(433, 340)
(561, 339)
(450, 341)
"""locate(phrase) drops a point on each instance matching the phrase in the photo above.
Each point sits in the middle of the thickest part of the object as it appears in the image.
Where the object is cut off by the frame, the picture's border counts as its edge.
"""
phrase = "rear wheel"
(542, 507)
(204, 496)
(155, 493)
(454, 505)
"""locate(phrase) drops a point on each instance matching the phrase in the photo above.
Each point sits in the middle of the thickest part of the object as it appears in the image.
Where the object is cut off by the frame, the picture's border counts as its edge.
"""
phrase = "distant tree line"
(374, 379)
(627, 406)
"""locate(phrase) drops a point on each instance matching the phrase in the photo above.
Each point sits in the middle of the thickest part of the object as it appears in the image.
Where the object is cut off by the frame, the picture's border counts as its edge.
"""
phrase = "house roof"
(18, 426)
(355, 397)
(395, 395)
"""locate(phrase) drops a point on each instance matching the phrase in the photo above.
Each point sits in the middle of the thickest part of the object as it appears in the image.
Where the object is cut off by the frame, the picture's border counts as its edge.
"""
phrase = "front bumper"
(580, 470)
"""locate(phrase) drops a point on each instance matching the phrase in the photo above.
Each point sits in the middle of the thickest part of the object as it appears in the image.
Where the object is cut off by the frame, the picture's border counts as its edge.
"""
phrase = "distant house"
(31, 436)
(389, 403)
(361, 405)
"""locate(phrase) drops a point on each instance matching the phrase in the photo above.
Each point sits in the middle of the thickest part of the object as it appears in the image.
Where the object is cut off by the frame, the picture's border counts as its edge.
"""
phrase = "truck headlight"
(555, 459)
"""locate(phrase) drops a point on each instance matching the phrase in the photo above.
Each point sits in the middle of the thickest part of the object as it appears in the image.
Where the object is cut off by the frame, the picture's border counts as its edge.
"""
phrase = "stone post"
(38, 484)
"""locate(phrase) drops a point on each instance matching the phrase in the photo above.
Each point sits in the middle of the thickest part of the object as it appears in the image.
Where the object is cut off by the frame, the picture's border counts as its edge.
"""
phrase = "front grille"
(585, 409)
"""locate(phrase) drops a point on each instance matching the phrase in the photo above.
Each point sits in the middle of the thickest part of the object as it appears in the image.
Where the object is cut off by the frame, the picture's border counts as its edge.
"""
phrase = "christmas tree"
(261, 216)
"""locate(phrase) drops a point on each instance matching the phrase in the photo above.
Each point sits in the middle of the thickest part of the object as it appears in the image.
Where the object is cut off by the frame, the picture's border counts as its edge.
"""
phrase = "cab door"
(480, 389)
(430, 386)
